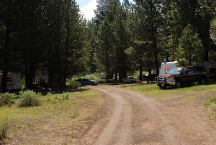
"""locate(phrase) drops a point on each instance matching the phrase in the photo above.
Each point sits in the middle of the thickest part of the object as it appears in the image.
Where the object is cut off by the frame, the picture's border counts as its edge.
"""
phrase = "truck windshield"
(169, 68)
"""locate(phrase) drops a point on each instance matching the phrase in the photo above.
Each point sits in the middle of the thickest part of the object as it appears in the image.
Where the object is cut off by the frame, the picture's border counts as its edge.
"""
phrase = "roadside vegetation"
(186, 94)
(210, 104)
(31, 118)
(3, 131)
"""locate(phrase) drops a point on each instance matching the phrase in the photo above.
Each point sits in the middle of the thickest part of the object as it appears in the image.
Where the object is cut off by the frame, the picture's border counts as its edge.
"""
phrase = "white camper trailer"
(13, 80)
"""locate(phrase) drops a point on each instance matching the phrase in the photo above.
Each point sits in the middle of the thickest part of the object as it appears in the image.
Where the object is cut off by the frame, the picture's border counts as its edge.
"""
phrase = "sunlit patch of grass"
(153, 90)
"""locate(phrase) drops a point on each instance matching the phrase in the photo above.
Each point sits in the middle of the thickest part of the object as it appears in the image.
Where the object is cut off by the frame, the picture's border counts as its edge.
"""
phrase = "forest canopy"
(52, 38)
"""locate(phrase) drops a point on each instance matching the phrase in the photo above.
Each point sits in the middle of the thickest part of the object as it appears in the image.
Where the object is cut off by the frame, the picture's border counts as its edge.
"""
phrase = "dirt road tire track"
(122, 112)
(140, 120)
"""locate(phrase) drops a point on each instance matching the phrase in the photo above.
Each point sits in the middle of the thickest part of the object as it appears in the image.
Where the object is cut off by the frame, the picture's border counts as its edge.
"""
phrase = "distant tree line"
(140, 35)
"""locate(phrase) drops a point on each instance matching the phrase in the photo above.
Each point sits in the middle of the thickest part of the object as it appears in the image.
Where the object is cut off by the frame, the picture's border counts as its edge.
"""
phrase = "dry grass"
(61, 118)
(210, 104)
(3, 130)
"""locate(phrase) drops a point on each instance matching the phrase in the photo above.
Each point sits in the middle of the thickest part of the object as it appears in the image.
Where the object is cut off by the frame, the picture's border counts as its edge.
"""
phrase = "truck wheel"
(178, 84)
(162, 87)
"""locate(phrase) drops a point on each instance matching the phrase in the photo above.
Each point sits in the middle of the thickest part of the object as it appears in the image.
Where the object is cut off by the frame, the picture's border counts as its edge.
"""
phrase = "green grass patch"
(211, 101)
(210, 104)
(153, 90)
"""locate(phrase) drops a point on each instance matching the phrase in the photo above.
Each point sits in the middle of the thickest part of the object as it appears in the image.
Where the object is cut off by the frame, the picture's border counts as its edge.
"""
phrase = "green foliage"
(55, 98)
(45, 36)
(28, 101)
(213, 29)
(112, 38)
(74, 84)
(52, 37)
(3, 130)
(93, 76)
(29, 93)
(211, 101)
(190, 47)
(7, 98)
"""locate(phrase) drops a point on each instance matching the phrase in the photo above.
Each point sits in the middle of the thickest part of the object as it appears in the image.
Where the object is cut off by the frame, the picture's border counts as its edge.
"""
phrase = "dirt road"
(136, 119)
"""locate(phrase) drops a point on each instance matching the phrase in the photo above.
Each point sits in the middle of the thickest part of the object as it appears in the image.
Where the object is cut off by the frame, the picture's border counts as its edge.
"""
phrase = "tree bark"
(141, 72)
(6, 51)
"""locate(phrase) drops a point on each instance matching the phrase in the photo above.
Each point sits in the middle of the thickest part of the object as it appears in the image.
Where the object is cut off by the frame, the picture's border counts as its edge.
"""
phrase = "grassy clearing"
(58, 120)
(191, 93)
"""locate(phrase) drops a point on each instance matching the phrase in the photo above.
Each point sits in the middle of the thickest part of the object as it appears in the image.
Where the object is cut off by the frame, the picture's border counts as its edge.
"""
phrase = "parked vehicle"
(171, 75)
(130, 80)
(150, 78)
(212, 73)
(84, 82)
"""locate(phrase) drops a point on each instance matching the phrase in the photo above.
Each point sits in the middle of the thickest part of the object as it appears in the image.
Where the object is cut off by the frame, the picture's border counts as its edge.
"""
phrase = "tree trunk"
(6, 51)
(149, 71)
(4, 79)
(116, 76)
(141, 72)
(29, 76)
(120, 77)
(107, 65)
(189, 57)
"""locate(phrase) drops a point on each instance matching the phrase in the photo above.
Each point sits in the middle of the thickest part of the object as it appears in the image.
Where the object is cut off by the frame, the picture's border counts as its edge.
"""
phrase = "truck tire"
(162, 87)
(178, 84)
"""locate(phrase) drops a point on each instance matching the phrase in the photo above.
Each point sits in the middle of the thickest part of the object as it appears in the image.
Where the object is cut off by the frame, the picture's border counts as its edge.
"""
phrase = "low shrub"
(74, 84)
(65, 97)
(7, 98)
(28, 101)
(29, 93)
(3, 130)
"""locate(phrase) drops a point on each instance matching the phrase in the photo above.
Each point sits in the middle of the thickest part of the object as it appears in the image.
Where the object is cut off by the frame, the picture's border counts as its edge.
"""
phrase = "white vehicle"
(13, 81)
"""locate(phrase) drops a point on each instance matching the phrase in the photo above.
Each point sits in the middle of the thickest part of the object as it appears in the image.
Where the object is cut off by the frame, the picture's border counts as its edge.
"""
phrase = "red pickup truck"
(171, 75)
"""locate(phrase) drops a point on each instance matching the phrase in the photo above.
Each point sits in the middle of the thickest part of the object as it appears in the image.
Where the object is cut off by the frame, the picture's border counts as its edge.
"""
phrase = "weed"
(29, 93)
(74, 84)
(28, 101)
(65, 97)
(210, 102)
(3, 130)
(7, 98)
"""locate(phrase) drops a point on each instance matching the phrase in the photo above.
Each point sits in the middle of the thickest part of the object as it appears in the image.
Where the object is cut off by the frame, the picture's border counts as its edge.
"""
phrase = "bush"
(29, 93)
(28, 101)
(3, 130)
(74, 84)
(65, 97)
(7, 98)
